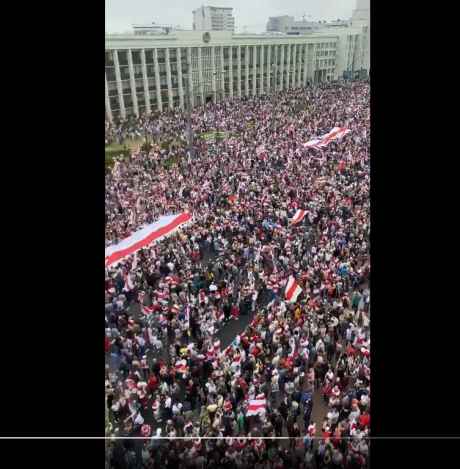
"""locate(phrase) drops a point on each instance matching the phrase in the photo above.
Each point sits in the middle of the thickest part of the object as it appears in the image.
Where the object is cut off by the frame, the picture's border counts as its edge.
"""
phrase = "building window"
(110, 74)
(149, 56)
(122, 57)
(114, 103)
(128, 100)
(161, 56)
(124, 73)
(112, 89)
(136, 55)
(138, 71)
(109, 59)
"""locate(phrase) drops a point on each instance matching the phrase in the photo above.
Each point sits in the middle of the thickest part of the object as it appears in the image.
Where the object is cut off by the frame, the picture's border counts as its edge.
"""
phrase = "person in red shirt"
(107, 344)
(235, 312)
(364, 420)
(152, 383)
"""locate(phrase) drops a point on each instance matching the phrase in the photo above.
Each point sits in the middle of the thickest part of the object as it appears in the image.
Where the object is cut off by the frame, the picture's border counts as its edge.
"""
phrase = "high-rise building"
(288, 25)
(145, 74)
(361, 19)
(208, 18)
(280, 24)
(362, 11)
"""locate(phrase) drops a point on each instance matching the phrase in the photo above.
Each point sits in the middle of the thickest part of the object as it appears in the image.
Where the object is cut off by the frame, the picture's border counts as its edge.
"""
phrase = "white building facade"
(207, 18)
(145, 74)
(361, 19)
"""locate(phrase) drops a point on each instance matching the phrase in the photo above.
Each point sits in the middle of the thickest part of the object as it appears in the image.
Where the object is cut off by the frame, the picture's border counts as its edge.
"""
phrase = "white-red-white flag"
(257, 406)
(142, 238)
(335, 133)
(298, 216)
(173, 280)
(181, 367)
(147, 309)
(292, 290)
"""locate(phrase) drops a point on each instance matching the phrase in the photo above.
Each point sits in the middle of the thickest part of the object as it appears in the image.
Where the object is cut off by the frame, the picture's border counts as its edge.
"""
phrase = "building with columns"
(144, 74)
(362, 19)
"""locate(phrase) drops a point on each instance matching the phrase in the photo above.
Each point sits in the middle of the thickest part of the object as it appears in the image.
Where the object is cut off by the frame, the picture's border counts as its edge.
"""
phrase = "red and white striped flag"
(142, 238)
(175, 309)
(181, 367)
(257, 406)
(292, 290)
(172, 280)
(335, 133)
(147, 309)
(298, 216)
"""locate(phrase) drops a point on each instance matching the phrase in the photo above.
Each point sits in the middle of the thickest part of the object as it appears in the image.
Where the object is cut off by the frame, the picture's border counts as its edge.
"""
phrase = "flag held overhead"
(298, 217)
(334, 134)
(292, 290)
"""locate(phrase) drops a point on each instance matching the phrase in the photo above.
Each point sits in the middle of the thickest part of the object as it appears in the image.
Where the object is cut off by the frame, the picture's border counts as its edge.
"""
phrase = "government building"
(144, 74)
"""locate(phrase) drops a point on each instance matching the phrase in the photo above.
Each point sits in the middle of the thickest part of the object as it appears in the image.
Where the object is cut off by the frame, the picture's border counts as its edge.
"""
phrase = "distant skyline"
(250, 15)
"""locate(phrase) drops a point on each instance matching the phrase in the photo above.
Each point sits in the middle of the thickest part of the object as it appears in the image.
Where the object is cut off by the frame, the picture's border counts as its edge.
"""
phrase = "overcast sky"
(252, 14)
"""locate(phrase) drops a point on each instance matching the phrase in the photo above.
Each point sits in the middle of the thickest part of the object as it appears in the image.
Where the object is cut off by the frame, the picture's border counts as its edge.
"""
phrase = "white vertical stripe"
(119, 86)
(146, 82)
(157, 80)
(239, 70)
(132, 82)
(246, 71)
(168, 79)
(180, 78)
(230, 68)
(108, 109)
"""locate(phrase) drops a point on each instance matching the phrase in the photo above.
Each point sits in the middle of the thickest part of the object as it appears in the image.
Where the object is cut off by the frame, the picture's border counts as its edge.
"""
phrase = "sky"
(250, 15)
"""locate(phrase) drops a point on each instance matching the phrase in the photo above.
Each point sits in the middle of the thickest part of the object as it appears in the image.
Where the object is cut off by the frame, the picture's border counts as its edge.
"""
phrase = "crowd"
(167, 372)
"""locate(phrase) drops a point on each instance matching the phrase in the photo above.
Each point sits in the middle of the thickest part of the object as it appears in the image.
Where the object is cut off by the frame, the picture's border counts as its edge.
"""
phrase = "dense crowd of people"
(167, 372)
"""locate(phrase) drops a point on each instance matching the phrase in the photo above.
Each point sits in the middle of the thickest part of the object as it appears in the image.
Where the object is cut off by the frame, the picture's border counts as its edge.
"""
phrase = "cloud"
(121, 14)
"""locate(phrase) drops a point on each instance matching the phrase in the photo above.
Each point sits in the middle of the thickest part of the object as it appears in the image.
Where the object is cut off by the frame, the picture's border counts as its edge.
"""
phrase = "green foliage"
(115, 151)
(146, 146)
(168, 163)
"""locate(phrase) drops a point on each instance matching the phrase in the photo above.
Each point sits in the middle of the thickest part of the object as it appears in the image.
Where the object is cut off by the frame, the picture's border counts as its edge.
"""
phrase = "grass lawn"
(131, 144)
(115, 149)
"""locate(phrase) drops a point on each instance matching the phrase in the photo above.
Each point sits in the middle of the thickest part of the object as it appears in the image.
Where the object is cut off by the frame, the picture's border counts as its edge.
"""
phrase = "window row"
(205, 51)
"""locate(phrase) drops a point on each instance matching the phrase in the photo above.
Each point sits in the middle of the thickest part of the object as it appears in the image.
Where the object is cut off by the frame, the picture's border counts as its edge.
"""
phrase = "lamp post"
(189, 110)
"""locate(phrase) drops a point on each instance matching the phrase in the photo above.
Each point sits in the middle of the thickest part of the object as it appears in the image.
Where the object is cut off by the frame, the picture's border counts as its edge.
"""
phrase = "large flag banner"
(298, 216)
(292, 290)
(154, 232)
(256, 406)
(334, 134)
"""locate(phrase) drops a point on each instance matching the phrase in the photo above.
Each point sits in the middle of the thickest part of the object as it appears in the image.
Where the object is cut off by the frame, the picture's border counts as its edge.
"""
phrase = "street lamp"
(190, 90)
(273, 69)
